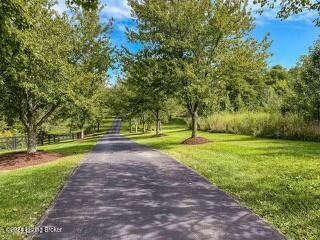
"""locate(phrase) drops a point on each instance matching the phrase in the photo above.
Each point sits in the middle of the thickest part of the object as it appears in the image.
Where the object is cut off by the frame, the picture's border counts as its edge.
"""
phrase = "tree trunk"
(157, 123)
(194, 126)
(82, 124)
(143, 124)
(158, 127)
(130, 124)
(318, 115)
(31, 139)
(136, 128)
(82, 133)
(144, 127)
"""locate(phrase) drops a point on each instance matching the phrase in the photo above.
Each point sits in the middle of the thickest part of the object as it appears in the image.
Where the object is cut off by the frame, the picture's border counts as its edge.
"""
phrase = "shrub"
(261, 124)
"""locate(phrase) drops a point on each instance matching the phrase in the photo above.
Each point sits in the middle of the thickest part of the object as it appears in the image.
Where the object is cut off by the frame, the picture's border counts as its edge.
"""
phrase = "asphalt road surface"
(124, 190)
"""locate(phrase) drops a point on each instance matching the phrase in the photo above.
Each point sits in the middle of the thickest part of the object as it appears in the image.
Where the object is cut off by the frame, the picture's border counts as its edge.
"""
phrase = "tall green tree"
(148, 77)
(278, 82)
(197, 37)
(306, 86)
(241, 75)
(36, 81)
(124, 101)
(92, 58)
(13, 18)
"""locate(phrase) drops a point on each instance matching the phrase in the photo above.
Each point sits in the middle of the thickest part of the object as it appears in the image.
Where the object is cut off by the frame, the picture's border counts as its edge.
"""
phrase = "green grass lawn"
(278, 179)
(27, 192)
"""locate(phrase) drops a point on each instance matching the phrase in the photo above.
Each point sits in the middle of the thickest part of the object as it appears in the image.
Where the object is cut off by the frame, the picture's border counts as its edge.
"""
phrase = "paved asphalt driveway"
(123, 190)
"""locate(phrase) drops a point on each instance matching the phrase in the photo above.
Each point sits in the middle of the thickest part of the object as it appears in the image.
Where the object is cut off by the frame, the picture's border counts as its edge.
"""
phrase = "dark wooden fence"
(14, 142)
(18, 142)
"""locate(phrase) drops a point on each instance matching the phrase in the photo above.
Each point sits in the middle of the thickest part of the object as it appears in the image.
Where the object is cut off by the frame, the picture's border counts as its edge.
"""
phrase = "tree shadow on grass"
(137, 136)
(160, 145)
(287, 208)
(73, 147)
(68, 150)
(239, 138)
(298, 153)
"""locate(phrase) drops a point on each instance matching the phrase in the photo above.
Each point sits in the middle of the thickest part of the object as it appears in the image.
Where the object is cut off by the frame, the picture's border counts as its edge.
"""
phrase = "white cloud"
(122, 27)
(117, 9)
(305, 17)
(60, 6)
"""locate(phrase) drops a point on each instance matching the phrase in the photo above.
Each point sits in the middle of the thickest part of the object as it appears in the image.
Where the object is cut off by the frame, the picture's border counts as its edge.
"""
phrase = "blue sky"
(290, 38)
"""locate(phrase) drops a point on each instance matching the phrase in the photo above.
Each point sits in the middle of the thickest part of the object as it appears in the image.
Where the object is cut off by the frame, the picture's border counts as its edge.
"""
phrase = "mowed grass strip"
(27, 192)
(278, 179)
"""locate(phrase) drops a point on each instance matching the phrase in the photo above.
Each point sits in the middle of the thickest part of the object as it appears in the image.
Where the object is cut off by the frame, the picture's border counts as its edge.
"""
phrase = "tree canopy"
(92, 57)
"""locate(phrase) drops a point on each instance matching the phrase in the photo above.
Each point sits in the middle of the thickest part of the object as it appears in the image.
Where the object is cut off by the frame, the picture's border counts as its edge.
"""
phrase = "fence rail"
(14, 142)
(18, 142)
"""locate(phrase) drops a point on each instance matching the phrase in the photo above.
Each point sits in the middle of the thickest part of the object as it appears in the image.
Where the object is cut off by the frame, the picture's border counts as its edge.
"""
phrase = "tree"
(92, 58)
(85, 4)
(13, 18)
(197, 37)
(147, 76)
(306, 86)
(290, 7)
(36, 80)
(277, 80)
(174, 109)
(123, 102)
(100, 110)
(241, 75)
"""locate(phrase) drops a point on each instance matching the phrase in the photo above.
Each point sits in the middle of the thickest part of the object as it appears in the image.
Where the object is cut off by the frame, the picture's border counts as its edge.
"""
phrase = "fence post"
(42, 138)
(14, 142)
